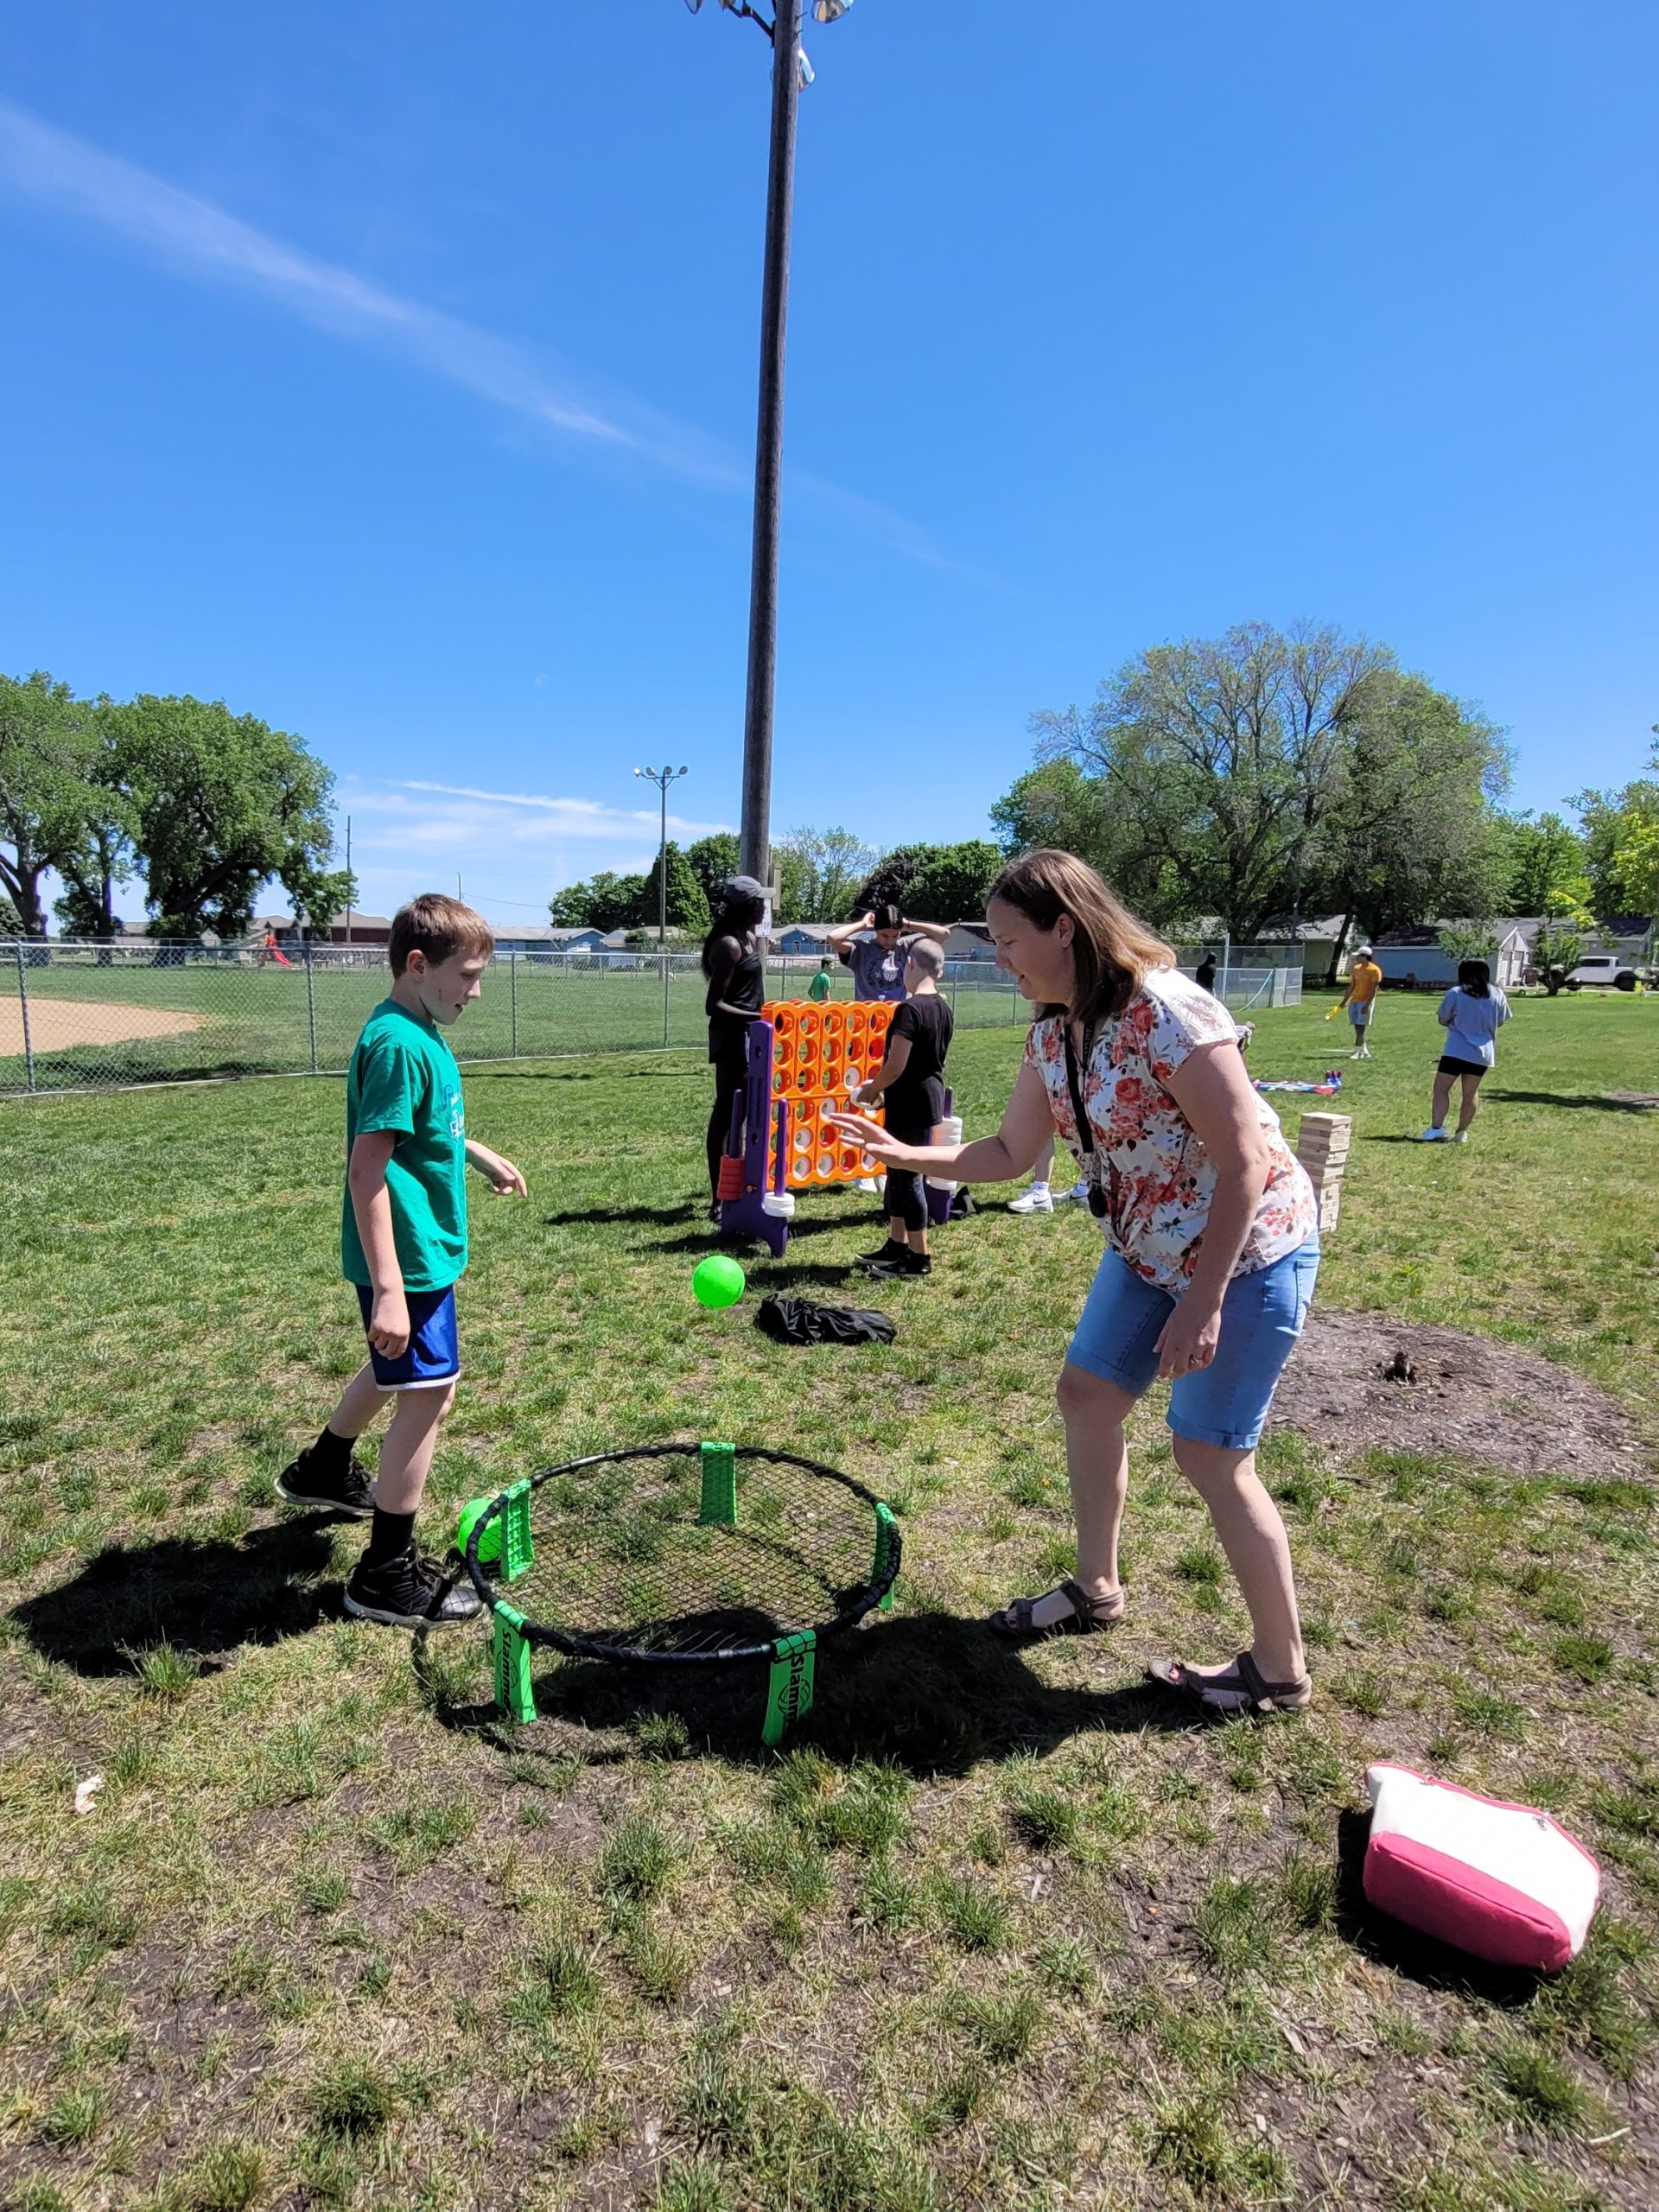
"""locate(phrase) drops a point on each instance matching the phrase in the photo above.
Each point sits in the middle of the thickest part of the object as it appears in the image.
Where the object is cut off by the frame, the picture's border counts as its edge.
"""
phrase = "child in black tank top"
(911, 1083)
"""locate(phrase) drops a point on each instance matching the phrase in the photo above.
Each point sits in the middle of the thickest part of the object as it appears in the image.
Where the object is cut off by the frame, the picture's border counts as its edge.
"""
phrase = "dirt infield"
(56, 1024)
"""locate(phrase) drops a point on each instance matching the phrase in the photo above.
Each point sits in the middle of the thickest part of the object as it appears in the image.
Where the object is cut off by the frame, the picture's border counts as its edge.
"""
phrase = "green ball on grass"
(718, 1280)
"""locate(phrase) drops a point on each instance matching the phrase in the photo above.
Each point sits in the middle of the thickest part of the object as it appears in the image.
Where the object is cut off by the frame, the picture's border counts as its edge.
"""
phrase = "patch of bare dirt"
(54, 1025)
(1358, 1381)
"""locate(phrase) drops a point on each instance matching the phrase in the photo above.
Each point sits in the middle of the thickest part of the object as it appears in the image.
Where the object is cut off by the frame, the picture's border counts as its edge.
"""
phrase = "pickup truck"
(1603, 970)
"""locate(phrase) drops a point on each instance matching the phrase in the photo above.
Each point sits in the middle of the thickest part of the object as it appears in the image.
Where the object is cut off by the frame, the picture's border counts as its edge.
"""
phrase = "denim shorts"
(1225, 1403)
(431, 1358)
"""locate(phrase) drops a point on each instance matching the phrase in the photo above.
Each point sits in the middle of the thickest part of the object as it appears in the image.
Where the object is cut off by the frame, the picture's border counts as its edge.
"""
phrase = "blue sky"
(390, 373)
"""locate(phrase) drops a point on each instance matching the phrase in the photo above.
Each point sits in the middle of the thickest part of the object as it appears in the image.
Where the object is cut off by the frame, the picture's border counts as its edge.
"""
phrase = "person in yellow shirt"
(1365, 978)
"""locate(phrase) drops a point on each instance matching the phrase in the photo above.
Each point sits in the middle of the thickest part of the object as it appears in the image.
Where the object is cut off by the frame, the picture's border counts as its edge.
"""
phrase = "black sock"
(390, 1534)
(332, 1452)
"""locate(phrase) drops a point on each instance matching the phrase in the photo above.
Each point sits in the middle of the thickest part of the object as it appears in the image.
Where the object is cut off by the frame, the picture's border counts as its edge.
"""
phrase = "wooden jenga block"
(1329, 1207)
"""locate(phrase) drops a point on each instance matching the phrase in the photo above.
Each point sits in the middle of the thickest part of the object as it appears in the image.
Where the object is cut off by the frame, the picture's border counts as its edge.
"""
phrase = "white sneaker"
(867, 1183)
(1459, 1136)
(1075, 1194)
(1433, 1136)
(1037, 1199)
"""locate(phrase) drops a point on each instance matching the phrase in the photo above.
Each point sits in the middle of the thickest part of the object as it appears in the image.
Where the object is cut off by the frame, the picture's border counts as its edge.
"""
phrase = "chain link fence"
(77, 1017)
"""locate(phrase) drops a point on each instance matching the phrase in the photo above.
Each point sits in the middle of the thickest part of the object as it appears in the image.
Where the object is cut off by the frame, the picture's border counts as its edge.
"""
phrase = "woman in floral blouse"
(1212, 1248)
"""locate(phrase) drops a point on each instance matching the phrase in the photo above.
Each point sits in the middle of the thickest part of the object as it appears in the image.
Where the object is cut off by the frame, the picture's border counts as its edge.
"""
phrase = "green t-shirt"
(819, 988)
(403, 1077)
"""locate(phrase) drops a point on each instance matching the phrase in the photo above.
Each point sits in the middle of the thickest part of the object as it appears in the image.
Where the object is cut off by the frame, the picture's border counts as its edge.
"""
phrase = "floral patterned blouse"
(1157, 1176)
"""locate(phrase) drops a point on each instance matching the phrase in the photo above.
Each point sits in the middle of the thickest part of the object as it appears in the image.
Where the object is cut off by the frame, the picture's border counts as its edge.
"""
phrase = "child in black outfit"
(911, 1081)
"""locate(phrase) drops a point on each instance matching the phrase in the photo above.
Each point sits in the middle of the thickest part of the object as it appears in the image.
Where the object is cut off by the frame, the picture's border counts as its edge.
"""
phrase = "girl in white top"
(1471, 1013)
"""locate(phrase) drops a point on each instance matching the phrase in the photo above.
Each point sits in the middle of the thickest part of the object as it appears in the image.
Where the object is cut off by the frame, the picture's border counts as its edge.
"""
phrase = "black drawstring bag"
(798, 1321)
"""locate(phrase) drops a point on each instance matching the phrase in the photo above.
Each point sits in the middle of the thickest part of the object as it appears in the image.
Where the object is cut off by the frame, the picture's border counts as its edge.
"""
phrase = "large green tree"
(605, 901)
(100, 852)
(1405, 831)
(952, 883)
(887, 883)
(1621, 839)
(1545, 858)
(221, 803)
(1052, 804)
(714, 859)
(819, 872)
(688, 903)
(49, 787)
(1217, 760)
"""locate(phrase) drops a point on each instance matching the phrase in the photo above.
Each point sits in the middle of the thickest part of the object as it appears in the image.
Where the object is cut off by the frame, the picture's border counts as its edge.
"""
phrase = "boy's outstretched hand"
(502, 1175)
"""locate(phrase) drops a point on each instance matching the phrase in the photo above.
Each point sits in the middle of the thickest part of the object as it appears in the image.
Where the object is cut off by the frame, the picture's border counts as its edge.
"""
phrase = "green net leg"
(517, 1552)
(789, 1692)
(887, 1534)
(719, 1508)
(512, 1690)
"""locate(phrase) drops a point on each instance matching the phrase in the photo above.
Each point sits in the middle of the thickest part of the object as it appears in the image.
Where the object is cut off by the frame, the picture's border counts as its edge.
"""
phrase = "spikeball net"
(680, 1555)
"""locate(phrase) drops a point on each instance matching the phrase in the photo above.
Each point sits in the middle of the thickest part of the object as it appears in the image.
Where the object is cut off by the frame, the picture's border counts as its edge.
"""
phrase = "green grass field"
(241, 1020)
(999, 1927)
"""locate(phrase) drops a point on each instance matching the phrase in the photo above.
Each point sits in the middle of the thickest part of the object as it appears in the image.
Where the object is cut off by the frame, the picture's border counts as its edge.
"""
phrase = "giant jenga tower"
(1322, 1145)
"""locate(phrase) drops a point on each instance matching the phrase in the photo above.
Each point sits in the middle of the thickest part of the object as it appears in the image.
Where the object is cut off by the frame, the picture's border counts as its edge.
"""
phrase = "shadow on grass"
(1599, 1103)
(205, 1598)
(601, 1217)
(928, 1693)
(1403, 1950)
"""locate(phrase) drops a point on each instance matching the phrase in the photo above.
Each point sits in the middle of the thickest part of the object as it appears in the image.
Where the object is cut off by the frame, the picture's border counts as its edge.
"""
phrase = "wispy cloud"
(190, 235)
(407, 818)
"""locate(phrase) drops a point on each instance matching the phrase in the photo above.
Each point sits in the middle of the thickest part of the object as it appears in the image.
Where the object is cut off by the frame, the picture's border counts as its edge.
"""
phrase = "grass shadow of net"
(928, 1693)
(202, 1597)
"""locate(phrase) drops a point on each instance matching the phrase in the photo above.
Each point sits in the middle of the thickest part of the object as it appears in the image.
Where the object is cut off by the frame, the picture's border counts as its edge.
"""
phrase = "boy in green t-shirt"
(403, 1244)
(819, 989)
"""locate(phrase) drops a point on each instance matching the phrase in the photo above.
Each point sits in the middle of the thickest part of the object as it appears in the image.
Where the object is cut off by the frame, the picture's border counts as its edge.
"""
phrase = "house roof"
(545, 933)
(1526, 926)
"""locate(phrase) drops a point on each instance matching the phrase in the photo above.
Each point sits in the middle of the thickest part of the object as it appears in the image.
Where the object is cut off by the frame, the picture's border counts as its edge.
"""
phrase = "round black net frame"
(852, 1605)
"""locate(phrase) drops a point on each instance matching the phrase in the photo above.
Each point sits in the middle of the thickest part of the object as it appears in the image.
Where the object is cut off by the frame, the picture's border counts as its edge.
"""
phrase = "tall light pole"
(662, 778)
(789, 71)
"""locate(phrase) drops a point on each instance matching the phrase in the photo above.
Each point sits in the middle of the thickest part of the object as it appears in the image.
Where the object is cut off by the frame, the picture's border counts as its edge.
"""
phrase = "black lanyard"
(1097, 1201)
(1085, 1134)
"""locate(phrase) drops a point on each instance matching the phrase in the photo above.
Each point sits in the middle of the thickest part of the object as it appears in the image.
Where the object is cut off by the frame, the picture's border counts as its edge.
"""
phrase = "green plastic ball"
(718, 1280)
(489, 1544)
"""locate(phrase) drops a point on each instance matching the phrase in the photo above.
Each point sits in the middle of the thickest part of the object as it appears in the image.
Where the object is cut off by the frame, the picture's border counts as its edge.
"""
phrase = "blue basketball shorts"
(431, 1359)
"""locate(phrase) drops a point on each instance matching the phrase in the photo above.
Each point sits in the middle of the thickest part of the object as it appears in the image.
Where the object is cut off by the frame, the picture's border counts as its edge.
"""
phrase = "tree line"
(207, 806)
(1268, 774)
(823, 875)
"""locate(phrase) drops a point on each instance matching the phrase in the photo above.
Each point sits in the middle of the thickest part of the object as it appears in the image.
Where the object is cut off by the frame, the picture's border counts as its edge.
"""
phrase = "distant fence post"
(22, 1001)
(311, 1005)
(513, 999)
(665, 959)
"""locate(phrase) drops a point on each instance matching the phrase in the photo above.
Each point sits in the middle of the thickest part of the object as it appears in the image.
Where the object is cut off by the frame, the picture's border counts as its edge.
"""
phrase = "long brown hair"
(1114, 949)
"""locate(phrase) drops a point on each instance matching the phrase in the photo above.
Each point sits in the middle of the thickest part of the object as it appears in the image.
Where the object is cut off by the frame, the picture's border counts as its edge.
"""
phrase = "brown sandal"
(1241, 1688)
(1086, 1615)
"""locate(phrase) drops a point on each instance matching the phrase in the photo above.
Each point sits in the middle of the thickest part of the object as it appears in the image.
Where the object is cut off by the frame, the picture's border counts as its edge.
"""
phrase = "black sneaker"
(304, 1481)
(409, 1592)
(902, 1262)
(883, 1257)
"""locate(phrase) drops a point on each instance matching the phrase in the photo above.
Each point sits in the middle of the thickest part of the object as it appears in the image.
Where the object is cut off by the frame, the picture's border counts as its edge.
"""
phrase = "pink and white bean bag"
(1502, 1882)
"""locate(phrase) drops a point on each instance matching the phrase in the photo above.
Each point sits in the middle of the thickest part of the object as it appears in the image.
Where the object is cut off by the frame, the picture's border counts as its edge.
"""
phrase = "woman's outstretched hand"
(871, 1137)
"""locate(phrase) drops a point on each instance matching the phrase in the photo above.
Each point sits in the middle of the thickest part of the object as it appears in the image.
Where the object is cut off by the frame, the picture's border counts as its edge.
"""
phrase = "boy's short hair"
(438, 927)
(927, 956)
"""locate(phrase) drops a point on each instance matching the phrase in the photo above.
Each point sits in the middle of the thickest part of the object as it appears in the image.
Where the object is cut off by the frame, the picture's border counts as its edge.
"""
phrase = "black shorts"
(1451, 1064)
